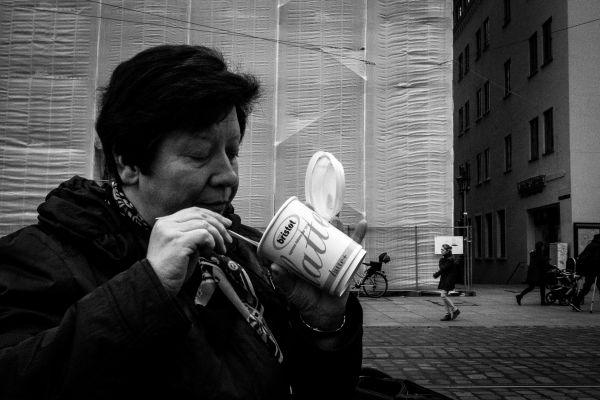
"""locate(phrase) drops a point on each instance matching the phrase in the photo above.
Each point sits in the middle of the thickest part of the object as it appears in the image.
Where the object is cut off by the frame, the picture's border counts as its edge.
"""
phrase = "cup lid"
(324, 184)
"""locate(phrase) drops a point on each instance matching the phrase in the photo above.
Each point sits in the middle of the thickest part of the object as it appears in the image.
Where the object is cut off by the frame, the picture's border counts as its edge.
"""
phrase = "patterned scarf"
(126, 207)
(220, 271)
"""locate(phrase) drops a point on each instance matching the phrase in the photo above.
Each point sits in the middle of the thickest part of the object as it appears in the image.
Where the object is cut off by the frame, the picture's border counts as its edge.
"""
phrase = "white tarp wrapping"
(368, 81)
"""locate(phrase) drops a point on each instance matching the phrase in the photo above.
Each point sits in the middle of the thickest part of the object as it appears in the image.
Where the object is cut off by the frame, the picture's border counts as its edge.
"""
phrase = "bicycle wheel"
(376, 285)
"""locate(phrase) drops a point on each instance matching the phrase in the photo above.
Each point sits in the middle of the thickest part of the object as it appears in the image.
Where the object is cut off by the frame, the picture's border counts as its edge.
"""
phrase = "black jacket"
(448, 272)
(83, 316)
(588, 262)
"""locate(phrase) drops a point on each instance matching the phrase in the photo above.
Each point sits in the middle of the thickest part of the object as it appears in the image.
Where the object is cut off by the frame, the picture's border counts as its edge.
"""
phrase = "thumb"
(283, 279)
(360, 231)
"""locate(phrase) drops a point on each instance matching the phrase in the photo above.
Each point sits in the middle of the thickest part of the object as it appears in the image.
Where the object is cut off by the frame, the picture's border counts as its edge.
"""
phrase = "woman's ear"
(129, 174)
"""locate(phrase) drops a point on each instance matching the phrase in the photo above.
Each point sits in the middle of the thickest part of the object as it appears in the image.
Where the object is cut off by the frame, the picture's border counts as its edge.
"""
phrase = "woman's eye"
(233, 154)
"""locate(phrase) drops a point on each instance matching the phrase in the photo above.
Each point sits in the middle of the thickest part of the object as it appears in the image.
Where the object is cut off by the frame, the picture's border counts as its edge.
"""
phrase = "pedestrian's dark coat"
(588, 262)
(448, 272)
(539, 266)
(84, 316)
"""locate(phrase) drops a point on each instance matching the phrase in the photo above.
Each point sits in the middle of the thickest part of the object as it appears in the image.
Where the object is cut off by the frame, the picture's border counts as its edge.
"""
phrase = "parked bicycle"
(373, 281)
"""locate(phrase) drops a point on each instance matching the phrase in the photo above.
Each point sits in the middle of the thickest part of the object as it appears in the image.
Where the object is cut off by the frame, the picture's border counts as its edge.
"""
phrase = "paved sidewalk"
(492, 305)
(495, 349)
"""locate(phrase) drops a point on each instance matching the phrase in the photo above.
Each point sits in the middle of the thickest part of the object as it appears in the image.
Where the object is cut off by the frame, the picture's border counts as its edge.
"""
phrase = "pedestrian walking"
(537, 274)
(448, 270)
(588, 265)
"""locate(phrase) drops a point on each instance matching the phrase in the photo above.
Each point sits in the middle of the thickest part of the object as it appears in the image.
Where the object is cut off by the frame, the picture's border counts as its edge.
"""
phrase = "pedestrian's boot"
(447, 317)
(519, 297)
(455, 313)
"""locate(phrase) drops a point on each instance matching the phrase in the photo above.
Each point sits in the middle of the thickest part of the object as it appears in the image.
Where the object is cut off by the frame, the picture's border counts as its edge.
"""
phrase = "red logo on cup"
(285, 232)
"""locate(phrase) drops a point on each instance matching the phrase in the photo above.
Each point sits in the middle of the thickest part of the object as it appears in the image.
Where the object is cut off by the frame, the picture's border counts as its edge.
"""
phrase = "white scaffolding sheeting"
(368, 81)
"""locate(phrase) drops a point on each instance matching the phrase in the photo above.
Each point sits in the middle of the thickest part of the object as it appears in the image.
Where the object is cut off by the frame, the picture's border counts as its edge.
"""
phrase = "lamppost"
(463, 180)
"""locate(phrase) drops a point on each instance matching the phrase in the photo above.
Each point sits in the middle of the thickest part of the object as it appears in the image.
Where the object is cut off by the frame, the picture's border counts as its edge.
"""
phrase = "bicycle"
(373, 281)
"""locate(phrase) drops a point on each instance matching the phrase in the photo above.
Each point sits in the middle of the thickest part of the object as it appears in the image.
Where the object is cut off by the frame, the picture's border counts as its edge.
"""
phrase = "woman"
(448, 270)
(135, 289)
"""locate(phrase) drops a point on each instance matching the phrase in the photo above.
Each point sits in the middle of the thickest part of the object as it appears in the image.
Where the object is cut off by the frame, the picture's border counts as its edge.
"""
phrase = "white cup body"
(300, 240)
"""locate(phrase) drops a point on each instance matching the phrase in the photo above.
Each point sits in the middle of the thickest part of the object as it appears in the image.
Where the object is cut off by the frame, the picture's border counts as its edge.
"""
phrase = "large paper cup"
(305, 243)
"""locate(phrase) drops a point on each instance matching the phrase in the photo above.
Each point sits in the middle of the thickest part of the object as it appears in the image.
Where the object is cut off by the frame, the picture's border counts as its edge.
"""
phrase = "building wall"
(584, 92)
(570, 168)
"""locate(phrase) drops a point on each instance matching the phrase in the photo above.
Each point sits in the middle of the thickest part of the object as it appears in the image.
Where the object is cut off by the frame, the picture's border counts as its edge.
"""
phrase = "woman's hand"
(177, 240)
(318, 308)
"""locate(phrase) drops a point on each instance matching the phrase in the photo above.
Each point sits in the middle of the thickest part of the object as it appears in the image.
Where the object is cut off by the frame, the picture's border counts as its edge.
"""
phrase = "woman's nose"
(226, 172)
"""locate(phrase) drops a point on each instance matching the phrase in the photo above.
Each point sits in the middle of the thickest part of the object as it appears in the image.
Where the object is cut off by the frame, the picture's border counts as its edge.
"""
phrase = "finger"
(197, 220)
(283, 279)
(360, 231)
(207, 232)
(201, 241)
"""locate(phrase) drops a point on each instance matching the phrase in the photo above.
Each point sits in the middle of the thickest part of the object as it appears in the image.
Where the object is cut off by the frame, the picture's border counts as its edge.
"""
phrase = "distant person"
(588, 265)
(539, 266)
(448, 272)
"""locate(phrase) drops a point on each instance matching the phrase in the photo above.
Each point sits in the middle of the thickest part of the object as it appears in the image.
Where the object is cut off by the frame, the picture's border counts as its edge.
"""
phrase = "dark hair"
(164, 89)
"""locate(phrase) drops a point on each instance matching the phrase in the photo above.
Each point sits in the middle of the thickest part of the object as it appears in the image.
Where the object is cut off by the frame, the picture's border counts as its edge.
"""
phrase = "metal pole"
(416, 260)
(593, 293)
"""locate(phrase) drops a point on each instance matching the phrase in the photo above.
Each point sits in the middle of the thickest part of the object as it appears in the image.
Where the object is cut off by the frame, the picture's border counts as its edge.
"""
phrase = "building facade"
(526, 87)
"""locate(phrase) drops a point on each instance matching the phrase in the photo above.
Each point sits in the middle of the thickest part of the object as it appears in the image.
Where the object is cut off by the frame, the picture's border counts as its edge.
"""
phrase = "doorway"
(546, 223)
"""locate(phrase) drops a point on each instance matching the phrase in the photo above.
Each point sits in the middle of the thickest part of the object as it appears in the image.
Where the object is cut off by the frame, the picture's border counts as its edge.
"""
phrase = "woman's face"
(192, 169)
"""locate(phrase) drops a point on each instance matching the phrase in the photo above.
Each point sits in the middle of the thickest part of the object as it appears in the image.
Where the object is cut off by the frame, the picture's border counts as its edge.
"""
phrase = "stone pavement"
(495, 349)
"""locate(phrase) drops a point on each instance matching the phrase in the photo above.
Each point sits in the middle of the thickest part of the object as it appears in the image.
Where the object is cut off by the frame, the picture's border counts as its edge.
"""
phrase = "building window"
(489, 237)
(467, 56)
(478, 237)
(458, 11)
(486, 34)
(508, 153)
(547, 40)
(468, 172)
(533, 139)
(533, 57)
(507, 78)
(467, 115)
(478, 44)
(501, 233)
(486, 164)
(460, 120)
(460, 66)
(548, 131)
(506, 12)
(478, 100)
(486, 97)
(478, 165)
